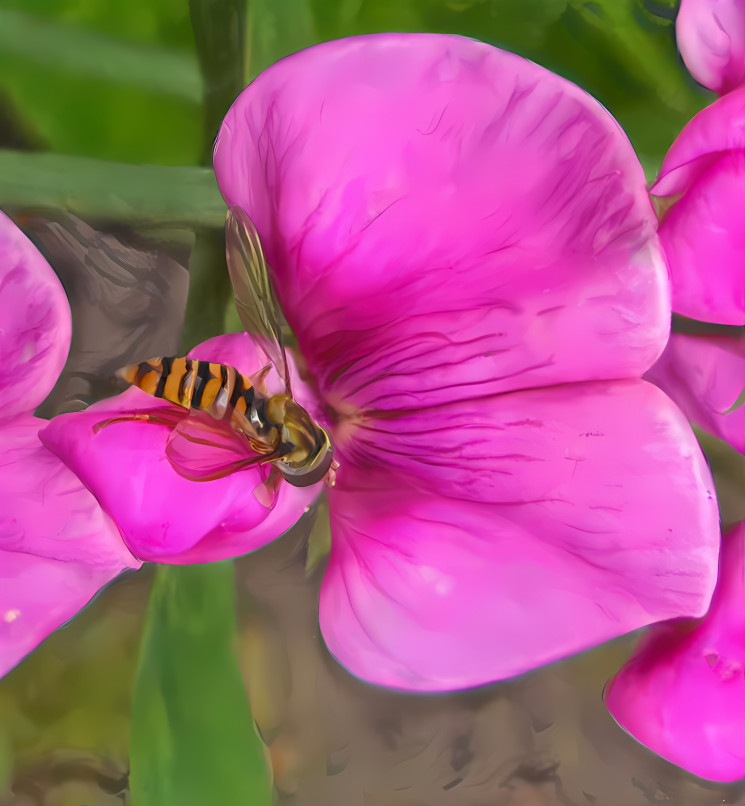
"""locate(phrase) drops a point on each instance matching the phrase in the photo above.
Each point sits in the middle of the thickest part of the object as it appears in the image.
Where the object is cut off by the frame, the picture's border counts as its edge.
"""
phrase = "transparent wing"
(254, 297)
(202, 449)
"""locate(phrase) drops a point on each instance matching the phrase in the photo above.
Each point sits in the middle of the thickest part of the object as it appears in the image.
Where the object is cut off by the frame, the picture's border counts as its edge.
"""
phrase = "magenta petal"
(715, 130)
(57, 547)
(704, 240)
(701, 232)
(34, 323)
(443, 215)
(705, 375)
(683, 692)
(163, 516)
(711, 40)
(567, 517)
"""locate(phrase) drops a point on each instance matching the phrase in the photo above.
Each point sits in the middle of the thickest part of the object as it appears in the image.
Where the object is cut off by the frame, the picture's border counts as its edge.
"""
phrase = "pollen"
(11, 615)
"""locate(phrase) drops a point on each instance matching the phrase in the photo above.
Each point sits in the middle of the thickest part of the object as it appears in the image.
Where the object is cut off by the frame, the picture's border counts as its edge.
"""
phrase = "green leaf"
(736, 405)
(220, 39)
(117, 81)
(278, 28)
(68, 48)
(193, 741)
(97, 190)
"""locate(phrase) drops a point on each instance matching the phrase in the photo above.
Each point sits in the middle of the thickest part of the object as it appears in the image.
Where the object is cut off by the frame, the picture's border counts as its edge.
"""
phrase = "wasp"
(233, 421)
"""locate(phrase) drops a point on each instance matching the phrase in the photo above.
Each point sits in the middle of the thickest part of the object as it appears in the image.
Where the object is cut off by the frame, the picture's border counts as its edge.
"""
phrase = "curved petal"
(715, 130)
(683, 692)
(711, 40)
(57, 547)
(704, 242)
(34, 324)
(443, 217)
(543, 522)
(163, 516)
(705, 375)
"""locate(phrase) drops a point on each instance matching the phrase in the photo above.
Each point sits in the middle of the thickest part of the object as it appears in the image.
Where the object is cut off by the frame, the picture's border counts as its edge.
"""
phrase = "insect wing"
(254, 297)
(203, 451)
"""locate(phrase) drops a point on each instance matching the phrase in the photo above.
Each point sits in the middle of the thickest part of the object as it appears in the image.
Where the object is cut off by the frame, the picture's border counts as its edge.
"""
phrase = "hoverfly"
(233, 421)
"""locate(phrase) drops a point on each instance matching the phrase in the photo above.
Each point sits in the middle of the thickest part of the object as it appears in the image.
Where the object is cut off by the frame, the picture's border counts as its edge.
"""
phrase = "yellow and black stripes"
(217, 389)
(277, 428)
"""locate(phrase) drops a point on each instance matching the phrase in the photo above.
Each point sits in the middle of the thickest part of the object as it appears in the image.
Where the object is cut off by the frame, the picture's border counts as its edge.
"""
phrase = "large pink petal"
(709, 135)
(705, 375)
(711, 39)
(683, 692)
(163, 516)
(704, 241)
(445, 220)
(57, 547)
(34, 324)
(529, 527)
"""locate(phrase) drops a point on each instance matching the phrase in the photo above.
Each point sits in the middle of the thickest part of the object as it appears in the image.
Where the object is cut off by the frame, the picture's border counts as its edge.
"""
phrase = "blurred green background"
(139, 83)
(108, 110)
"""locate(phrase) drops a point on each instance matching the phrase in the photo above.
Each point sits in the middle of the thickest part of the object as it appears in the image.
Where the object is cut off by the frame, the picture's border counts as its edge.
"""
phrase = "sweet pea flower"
(465, 248)
(711, 40)
(702, 188)
(57, 546)
(683, 692)
(705, 376)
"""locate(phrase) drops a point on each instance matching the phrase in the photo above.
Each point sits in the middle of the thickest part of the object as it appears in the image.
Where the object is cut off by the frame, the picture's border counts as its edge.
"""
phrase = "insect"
(233, 421)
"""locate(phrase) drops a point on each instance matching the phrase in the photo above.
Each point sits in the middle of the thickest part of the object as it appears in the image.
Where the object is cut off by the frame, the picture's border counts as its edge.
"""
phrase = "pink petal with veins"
(34, 324)
(445, 220)
(57, 547)
(471, 544)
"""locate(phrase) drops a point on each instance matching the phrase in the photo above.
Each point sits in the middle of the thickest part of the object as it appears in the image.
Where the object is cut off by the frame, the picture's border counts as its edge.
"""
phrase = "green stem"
(95, 190)
(193, 741)
(220, 35)
(209, 289)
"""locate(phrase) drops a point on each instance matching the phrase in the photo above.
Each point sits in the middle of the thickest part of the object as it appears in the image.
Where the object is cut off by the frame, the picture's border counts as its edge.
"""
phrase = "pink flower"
(57, 546)
(703, 178)
(711, 39)
(683, 692)
(705, 376)
(464, 246)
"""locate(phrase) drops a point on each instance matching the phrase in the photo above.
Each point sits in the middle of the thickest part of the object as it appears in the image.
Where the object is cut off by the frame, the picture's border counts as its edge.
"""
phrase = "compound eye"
(304, 477)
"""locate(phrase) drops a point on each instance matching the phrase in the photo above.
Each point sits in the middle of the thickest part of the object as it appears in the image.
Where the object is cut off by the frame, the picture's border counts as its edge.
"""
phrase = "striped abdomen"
(217, 389)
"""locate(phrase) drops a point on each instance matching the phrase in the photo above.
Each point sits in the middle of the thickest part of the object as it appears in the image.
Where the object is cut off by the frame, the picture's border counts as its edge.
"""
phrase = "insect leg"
(159, 417)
